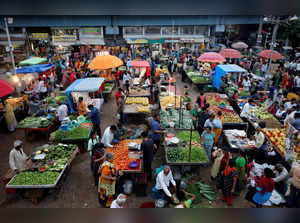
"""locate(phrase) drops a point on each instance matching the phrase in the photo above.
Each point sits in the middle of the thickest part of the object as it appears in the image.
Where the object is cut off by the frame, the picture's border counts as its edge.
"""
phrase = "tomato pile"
(121, 152)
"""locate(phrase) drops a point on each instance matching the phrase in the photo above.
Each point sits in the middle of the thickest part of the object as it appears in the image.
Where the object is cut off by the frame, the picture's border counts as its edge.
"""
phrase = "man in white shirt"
(290, 116)
(282, 175)
(17, 157)
(62, 111)
(119, 202)
(246, 111)
(126, 77)
(108, 136)
(163, 181)
(259, 136)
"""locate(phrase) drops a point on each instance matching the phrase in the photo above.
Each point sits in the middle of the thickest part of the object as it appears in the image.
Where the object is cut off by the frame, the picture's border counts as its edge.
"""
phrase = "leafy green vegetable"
(76, 133)
(193, 189)
(184, 136)
(35, 178)
(34, 122)
(173, 115)
(175, 154)
(198, 155)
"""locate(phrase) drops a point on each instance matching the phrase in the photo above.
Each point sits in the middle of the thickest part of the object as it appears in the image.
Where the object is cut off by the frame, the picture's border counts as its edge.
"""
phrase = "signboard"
(91, 31)
(137, 41)
(220, 28)
(39, 36)
(64, 38)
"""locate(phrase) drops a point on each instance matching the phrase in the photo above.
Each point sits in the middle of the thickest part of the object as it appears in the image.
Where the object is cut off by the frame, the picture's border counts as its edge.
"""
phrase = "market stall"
(127, 156)
(82, 88)
(174, 118)
(138, 91)
(170, 101)
(220, 102)
(183, 147)
(198, 78)
(137, 105)
(237, 139)
(49, 164)
(36, 125)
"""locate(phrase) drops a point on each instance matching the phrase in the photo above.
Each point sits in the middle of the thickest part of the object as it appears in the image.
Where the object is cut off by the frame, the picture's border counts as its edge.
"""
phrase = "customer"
(17, 157)
(280, 113)
(107, 181)
(119, 202)
(230, 180)
(207, 141)
(81, 107)
(164, 181)
(95, 117)
(10, 117)
(281, 177)
(91, 143)
(34, 106)
(264, 187)
(201, 100)
(98, 158)
(241, 166)
(148, 147)
(209, 122)
(202, 119)
(217, 156)
(121, 103)
(156, 131)
(293, 192)
(108, 136)
(62, 111)
(246, 111)
(296, 122)
(259, 136)
(195, 113)
(218, 123)
(42, 88)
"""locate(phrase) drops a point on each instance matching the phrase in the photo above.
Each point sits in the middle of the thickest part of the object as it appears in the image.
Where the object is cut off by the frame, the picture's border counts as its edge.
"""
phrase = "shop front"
(64, 38)
(40, 43)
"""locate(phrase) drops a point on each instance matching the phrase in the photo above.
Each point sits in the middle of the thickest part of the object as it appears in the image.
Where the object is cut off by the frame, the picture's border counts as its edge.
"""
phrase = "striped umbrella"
(231, 53)
(239, 45)
(211, 57)
(267, 54)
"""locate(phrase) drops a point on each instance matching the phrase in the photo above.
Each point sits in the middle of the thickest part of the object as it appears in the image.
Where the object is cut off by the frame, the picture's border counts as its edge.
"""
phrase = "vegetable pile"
(80, 132)
(184, 136)
(34, 122)
(172, 115)
(35, 178)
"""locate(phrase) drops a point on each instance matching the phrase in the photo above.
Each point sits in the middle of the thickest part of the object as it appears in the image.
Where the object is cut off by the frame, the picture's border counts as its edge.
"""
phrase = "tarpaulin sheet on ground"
(84, 85)
(222, 70)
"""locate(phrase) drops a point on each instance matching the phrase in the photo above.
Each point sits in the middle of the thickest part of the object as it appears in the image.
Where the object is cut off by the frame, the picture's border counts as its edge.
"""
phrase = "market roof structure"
(222, 70)
(32, 61)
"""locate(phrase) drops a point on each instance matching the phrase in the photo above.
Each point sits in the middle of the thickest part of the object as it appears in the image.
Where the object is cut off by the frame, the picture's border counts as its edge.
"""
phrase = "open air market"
(162, 121)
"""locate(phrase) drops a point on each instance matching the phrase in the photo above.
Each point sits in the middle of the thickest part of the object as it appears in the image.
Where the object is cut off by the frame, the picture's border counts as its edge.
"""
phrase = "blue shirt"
(155, 126)
(95, 116)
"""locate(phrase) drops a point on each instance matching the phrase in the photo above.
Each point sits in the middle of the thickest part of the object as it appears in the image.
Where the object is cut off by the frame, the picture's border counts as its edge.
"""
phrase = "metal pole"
(190, 149)
(259, 36)
(10, 46)
(273, 43)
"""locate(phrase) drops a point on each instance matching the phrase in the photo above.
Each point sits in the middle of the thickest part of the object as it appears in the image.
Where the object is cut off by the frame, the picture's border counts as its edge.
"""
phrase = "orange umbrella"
(105, 62)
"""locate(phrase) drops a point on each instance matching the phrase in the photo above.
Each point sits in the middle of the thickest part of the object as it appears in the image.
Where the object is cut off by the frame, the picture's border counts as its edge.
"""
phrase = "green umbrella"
(32, 61)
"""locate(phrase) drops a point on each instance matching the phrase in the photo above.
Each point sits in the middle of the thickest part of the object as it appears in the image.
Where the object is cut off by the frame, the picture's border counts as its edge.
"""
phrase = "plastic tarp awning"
(222, 70)
(35, 69)
(33, 61)
(84, 85)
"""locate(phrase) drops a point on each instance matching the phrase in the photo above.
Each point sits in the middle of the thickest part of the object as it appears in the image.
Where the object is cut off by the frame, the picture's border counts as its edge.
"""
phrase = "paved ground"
(78, 190)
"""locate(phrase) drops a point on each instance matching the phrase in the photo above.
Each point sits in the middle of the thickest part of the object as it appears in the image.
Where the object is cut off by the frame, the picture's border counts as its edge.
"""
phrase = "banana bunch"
(143, 109)
(166, 100)
(137, 100)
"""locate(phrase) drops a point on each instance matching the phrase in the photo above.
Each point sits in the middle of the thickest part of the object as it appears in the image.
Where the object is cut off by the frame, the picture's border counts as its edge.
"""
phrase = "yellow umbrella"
(105, 62)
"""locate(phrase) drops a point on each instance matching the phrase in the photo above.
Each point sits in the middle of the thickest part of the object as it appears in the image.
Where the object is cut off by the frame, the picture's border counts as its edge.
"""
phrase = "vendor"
(259, 136)
(156, 130)
(120, 133)
(164, 181)
(17, 157)
(81, 107)
(246, 111)
(108, 136)
(62, 111)
(34, 106)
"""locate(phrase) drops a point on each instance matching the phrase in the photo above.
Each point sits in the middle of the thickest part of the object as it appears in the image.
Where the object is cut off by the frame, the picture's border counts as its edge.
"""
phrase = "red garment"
(202, 101)
(213, 66)
(228, 170)
(118, 74)
(227, 199)
(72, 77)
(224, 160)
(267, 184)
(118, 95)
(285, 80)
(291, 82)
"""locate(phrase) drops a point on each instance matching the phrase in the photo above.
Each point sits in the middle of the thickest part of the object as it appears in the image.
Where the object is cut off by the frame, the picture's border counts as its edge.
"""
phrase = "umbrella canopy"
(267, 54)
(35, 69)
(231, 53)
(239, 45)
(105, 62)
(5, 88)
(211, 57)
(139, 63)
(32, 61)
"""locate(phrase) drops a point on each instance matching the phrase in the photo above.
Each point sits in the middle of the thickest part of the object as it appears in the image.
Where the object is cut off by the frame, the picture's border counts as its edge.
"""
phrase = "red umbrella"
(5, 88)
(231, 53)
(139, 63)
(267, 54)
(239, 45)
(211, 57)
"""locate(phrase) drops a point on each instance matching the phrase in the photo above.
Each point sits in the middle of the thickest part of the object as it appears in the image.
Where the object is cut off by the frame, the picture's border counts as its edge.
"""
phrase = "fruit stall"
(138, 91)
(183, 147)
(137, 105)
(237, 139)
(220, 102)
(170, 101)
(174, 118)
(127, 156)
(33, 125)
(76, 132)
(49, 164)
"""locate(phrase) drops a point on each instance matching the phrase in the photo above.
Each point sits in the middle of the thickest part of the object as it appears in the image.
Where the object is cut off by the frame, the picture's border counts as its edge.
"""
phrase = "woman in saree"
(107, 181)
(10, 117)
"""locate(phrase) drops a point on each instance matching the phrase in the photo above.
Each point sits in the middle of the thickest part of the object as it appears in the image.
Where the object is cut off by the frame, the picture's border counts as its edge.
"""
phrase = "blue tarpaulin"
(35, 69)
(84, 85)
(222, 70)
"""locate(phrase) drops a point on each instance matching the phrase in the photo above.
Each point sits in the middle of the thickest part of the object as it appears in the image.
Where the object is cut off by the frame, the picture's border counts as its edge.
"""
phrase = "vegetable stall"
(138, 91)
(183, 147)
(198, 78)
(49, 164)
(173, 118)
(137, 105)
